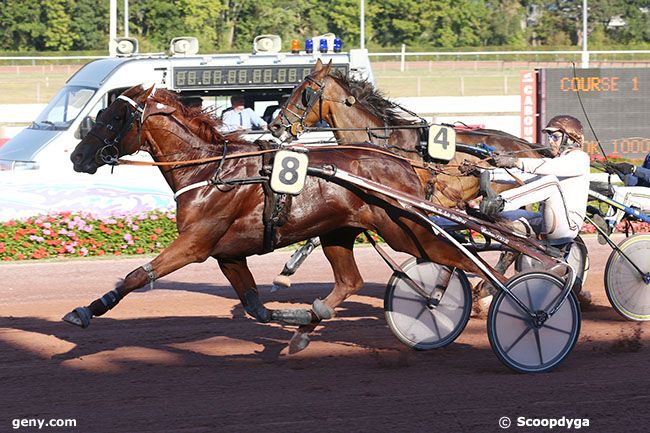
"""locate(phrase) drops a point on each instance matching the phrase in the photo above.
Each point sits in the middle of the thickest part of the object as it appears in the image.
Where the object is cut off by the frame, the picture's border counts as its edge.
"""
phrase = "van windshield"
(64, 108)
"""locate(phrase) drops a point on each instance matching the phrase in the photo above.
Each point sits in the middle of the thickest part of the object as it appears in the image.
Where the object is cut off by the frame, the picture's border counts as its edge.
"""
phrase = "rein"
(262, 152)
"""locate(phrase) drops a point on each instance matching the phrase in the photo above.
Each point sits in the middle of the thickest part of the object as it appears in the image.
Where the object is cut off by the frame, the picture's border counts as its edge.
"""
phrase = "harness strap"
(190, 187)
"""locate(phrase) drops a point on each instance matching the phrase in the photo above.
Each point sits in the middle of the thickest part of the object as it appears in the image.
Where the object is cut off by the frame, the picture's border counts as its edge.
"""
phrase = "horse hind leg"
(241, 279)
(337, 247)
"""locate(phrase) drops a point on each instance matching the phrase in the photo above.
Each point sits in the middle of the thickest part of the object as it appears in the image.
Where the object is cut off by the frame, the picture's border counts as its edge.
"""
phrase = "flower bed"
(82, 235)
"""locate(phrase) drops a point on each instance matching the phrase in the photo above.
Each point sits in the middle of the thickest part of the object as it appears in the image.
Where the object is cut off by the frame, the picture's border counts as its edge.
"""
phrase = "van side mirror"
(86, 125)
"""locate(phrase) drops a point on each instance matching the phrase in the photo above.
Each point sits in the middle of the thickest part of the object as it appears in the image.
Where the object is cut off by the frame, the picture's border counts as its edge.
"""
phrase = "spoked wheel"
(627, 290)
(527, 345)
(412, 317)
(578, 259)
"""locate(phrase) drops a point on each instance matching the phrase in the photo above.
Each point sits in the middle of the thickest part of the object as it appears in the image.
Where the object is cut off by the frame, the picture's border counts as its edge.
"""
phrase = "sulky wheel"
(527, 344)
(414, 319)
(627, 289)
(578, 259)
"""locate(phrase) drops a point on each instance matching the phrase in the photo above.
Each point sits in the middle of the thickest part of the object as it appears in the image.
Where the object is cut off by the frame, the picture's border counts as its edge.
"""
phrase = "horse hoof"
(322, 310)
(280, 282)
(79, 316)
(299, 342)
(292, 317)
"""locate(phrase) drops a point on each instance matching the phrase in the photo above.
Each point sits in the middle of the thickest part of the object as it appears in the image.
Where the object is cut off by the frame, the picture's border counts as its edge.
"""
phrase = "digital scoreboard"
(616, 102)
(242, 77)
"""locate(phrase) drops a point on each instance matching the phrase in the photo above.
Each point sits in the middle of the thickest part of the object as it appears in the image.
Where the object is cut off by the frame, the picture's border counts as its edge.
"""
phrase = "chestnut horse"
(218, 182)
(359, 113)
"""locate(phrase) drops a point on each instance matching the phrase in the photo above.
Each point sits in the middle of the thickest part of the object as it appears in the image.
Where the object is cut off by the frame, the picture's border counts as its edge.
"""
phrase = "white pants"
(632, 196)
(559, 224)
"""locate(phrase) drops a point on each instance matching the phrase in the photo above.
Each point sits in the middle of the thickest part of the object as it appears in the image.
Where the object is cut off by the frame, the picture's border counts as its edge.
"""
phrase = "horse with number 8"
(219, 184)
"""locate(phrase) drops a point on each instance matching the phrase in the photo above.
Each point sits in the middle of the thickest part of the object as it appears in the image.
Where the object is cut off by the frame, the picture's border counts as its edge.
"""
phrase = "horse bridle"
(110, 152)
(308, 99)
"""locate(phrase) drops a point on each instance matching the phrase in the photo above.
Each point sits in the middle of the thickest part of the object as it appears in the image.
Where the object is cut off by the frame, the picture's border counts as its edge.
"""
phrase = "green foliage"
(21, 25)
(57, 35)
(89, 25)
(231, 25)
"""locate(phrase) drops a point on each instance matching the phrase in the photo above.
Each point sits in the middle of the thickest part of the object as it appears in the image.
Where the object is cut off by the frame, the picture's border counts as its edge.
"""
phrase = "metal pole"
(362, 25)
(126, 18)
(585, 36)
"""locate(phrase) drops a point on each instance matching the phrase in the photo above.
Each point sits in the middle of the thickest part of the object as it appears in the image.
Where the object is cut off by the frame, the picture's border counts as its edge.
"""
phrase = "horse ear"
(328, 68)
(323, 71)
(149, 91)
(319, 65)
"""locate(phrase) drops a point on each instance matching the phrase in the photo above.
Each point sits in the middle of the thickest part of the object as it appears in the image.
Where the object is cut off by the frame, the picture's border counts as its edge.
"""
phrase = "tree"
(201, 20)
(157, 21)
(505, 23)
(21, 25)
(57, 35)
(89, 25)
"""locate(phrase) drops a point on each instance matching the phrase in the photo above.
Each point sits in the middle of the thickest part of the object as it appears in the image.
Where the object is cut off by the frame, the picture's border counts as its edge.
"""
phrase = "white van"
(36, 175)
(262, 77)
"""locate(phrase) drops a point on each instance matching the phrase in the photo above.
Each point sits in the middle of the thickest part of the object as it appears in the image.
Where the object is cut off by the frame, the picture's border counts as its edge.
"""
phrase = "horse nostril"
(76, 158)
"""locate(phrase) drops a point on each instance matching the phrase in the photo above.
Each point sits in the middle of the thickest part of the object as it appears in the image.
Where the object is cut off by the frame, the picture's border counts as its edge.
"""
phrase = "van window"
(64, 108)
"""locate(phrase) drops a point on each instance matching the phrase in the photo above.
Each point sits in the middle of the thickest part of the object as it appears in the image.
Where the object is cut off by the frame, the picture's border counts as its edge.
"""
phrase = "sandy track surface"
(184, 358)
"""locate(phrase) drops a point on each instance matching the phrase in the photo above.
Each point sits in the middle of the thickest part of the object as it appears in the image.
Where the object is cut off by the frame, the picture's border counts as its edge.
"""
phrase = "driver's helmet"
(569, 125)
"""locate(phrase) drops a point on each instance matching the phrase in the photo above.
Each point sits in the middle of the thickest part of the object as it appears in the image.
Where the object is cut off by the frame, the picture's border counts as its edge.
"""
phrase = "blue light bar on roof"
(338, 45)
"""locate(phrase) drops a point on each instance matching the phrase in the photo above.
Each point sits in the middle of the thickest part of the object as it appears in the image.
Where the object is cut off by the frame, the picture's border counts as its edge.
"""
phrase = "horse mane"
(372, 99)
(198, 121)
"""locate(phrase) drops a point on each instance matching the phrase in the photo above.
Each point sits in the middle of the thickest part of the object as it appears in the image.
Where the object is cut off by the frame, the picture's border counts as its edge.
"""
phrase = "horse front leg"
(184, 250)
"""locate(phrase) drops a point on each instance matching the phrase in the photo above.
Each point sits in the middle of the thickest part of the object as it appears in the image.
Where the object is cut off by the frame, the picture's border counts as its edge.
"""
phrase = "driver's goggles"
(555, 136)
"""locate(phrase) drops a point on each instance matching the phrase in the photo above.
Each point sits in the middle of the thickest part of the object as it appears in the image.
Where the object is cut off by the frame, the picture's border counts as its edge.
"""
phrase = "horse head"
(307, 105)
(115, 133)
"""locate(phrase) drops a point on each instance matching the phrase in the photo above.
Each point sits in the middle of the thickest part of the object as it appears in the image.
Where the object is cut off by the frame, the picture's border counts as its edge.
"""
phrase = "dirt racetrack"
(184, 358)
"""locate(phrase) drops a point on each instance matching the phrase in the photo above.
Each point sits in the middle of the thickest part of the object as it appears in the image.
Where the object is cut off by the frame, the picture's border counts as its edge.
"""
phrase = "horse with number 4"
(236, 198)
(357, 113)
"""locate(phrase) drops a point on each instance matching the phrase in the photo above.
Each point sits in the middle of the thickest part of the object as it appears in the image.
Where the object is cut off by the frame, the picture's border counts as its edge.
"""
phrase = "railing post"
(402, 58)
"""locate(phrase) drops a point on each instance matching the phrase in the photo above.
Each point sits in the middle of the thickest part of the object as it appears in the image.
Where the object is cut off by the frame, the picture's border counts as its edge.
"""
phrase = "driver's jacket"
(571, 168)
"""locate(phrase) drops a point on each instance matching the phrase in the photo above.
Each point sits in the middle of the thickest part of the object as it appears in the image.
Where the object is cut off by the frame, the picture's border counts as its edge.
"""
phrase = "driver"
(559, 183)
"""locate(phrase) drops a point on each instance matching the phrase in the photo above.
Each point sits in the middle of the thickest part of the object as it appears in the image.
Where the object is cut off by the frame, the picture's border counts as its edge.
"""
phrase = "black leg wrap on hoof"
(293, 317)
(79, 316)
(254, 306)
(111, 299)
(322, 310)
